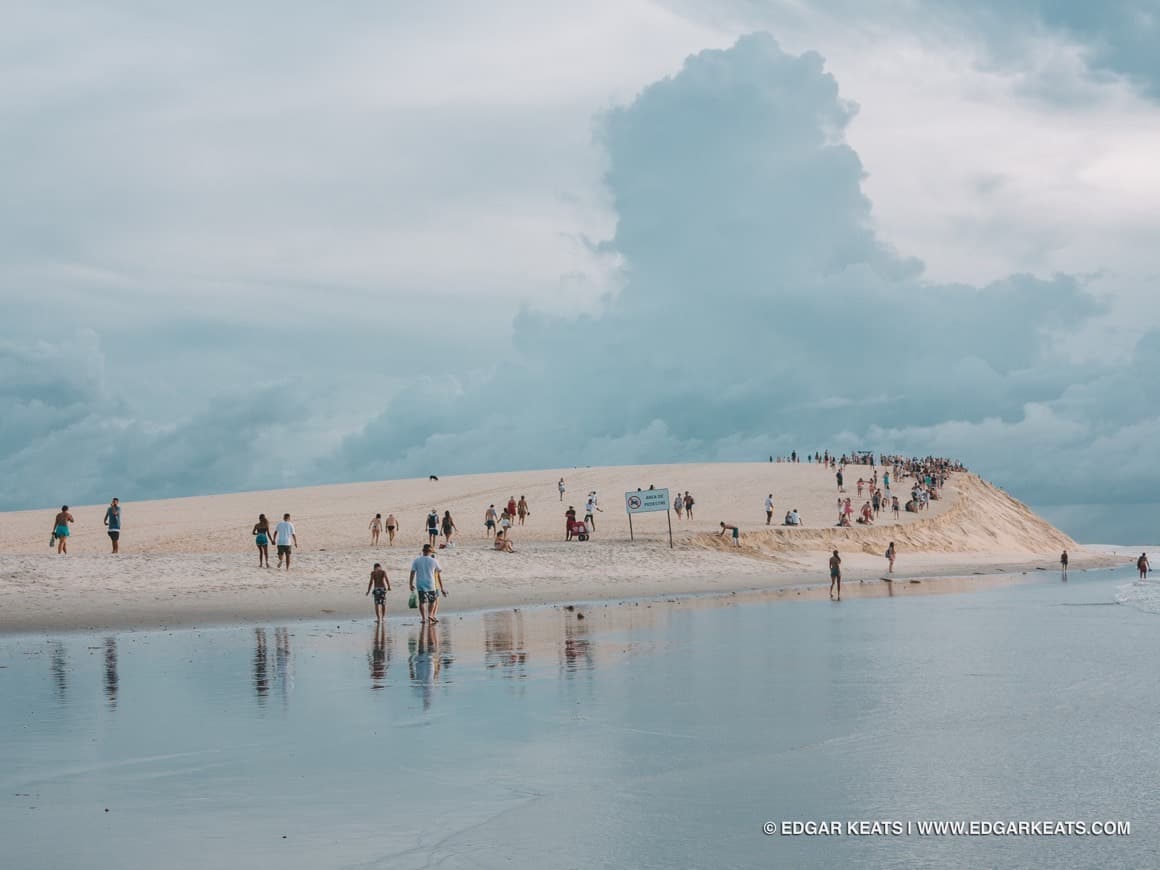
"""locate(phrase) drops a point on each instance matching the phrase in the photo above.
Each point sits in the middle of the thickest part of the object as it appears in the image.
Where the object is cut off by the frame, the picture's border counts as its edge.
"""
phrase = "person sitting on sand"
(795, 518)
(843, 519)
(911, 507)
(1142, 566)
(380, 584)
(502, 544)
(726, 527)
(867, 518)
(836, 574)
(376, 528)
(60, 528)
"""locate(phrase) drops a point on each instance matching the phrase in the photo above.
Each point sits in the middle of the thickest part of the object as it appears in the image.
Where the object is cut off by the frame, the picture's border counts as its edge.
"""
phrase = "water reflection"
(112, 682)
(282, 661)
(576, 650)
(379, 658)
(59, 667)
(503, 643)
(261, 666)
(424, 663)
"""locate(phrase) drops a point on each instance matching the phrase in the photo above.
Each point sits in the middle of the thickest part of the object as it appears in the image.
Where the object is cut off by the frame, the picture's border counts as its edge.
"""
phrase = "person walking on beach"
(894, 506)
(432, 527)
(1063, 562)
(560, 486)
(376, 528)
(286, 540)
(522, 509)
(261, 533)
(392, 525)
(836, 574)
(890, 557)
(490, 518)
(769, 509)
(569, 519)
(380, 584)
(60, 528)
(689, 502)
(426, 574)
(511, 506)
(840, 480)
(448, 527)
(725, 527)
(590, 508)
(113, 522)
(1142, 566)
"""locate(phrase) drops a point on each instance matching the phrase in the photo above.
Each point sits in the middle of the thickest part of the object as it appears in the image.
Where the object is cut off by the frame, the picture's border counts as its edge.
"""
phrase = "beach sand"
(192, 561)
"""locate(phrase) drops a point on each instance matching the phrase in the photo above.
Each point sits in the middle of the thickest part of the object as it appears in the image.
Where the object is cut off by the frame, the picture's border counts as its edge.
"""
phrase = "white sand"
(192, 561)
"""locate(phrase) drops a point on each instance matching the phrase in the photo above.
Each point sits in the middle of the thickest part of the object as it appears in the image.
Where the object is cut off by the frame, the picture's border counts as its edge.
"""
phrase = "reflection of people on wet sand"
(424, 663)
(836, 574)
(111, 680)
(261, 665)
(380, 585)
(379, 657)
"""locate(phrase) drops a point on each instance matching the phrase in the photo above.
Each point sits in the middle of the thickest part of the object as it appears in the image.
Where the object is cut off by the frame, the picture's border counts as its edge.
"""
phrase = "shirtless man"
(490, 518)
(725, 527)
(1142, 566)
(836, 574)
(392, 527)
(60, 528)
(380, 584)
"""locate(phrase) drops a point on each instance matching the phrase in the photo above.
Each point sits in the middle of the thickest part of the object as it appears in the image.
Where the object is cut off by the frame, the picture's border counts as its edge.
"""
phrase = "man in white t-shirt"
(285, 540)
(769, 509)
(426, 574)
(590, 509)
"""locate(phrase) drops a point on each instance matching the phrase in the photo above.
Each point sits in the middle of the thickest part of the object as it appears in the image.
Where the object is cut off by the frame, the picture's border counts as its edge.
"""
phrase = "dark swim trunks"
(380, 594)
(428, 596)
(284, 549)
(114, 534)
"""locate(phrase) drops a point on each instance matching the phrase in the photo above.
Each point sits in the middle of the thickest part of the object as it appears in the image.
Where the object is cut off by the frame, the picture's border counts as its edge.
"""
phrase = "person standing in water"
(1063, 562)
(376, 528)
(1142, 566)
(380, 584)
(392, 527)
(60, 528)
(836, 574)
(113, 521)
(426, 574)
(261, 533)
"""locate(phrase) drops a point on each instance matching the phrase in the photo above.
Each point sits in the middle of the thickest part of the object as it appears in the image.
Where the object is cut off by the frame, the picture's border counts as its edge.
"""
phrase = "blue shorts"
(62, 531)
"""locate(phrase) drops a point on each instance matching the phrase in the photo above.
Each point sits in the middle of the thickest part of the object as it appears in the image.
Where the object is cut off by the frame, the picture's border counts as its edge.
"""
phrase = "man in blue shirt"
(113, 521)
(426, 574)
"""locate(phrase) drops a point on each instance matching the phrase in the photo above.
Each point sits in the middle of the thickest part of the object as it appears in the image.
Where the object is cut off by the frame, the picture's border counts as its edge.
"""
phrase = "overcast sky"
(265, 244)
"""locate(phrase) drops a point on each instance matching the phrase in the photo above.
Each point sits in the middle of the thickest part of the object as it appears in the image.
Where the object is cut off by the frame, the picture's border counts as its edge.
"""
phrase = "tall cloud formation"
(761, 313)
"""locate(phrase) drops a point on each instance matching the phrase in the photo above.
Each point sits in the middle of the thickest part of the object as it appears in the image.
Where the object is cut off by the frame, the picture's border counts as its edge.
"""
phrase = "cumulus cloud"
(760, 312)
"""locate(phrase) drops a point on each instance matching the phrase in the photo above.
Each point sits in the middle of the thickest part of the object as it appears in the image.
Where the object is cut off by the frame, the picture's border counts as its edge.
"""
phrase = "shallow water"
(645, 735)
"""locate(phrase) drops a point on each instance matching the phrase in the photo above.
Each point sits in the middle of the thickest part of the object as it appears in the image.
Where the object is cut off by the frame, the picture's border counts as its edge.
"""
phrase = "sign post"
(645, 501)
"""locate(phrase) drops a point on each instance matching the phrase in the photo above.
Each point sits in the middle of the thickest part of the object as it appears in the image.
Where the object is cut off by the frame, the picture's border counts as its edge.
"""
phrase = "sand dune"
(192, 560)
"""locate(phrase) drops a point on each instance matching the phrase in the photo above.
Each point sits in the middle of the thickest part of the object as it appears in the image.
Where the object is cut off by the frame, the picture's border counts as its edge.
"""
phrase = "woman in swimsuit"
(60, 529)
(376, 528)
(261, 533)
(448, 526)
(392, 527)
(522, 509)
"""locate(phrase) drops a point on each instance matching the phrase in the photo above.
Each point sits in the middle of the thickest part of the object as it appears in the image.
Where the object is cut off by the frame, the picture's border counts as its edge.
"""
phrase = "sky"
(259, 244)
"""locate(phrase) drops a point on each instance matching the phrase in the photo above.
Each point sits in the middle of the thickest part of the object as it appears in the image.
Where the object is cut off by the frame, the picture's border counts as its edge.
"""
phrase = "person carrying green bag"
(426, 575)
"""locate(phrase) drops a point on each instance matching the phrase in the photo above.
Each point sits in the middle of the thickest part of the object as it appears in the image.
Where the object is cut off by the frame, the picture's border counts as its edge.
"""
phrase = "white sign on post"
(646, 500)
